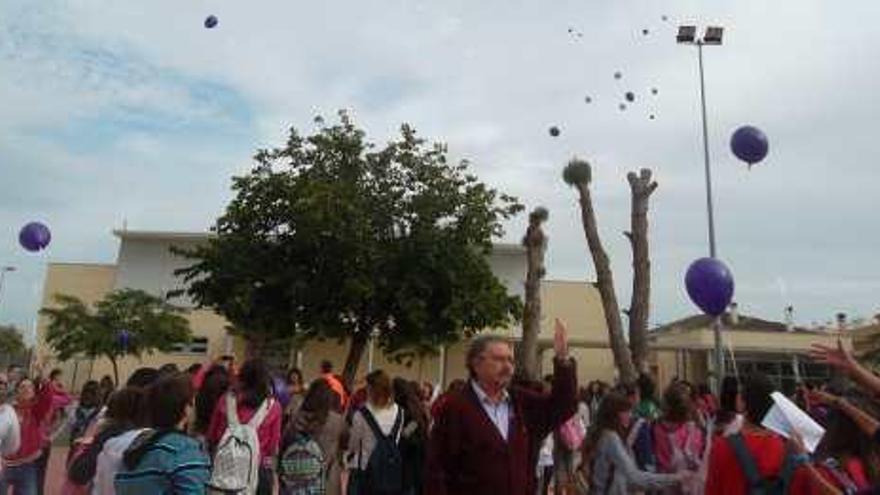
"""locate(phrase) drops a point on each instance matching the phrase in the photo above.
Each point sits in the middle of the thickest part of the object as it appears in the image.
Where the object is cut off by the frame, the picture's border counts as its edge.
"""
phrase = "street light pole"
(710, 208)
(3, 271)
(720, 370)
(712, 36)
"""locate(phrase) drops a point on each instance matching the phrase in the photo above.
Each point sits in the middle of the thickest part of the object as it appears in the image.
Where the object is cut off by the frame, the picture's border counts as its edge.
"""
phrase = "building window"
(780, 369)
(198, 345)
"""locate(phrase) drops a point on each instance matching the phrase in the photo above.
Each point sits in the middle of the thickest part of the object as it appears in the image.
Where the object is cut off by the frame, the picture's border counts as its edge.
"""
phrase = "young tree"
(11, 342)
(535, 242)
(332, 237)
(149, 322)
(578, 174)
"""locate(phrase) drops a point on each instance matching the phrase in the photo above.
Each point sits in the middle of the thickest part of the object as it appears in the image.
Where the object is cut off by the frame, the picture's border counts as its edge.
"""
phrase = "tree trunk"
(355, 352)
(536, 245)
(642, 186)
(605, 284)
(115, 370)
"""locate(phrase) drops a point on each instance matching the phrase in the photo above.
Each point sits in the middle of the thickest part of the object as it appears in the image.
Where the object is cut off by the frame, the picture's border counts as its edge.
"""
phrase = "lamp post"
(3, 271)
(687, 35)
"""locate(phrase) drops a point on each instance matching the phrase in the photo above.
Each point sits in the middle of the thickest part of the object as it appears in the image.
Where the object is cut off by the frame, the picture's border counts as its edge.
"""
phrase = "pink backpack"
(573, 433)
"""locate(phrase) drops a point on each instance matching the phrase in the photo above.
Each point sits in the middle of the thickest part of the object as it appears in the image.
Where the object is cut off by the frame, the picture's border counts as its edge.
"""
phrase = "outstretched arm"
(844, 360)
(625, 465)
(547, 412)
(867, 423)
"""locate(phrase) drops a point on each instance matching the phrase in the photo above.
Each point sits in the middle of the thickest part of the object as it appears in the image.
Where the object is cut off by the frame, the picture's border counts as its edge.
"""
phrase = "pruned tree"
(331, 237)
(535, 242)
(150, 324)
(641, 186)
(578, 174)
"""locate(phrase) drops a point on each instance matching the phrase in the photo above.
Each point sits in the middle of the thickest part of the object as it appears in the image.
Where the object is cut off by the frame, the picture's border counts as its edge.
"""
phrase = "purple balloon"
(211, 22)
(279, 386)
(710, 285)
(34, 236)
(749, 144)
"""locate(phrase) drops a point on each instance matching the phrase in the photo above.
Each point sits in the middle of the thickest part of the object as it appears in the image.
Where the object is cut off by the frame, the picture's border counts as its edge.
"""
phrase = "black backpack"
(757, 484)
(384, 472)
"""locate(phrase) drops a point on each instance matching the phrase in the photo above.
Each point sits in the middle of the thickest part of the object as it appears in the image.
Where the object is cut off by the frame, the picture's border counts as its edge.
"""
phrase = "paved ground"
(55, 473)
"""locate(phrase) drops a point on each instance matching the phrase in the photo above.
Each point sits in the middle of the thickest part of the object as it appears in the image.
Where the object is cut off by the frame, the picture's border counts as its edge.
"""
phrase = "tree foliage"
(75, 329)
(331, 236)
(11, 341)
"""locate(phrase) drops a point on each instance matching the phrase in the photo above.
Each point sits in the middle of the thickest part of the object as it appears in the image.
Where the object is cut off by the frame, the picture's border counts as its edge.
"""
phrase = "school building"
(681, 349)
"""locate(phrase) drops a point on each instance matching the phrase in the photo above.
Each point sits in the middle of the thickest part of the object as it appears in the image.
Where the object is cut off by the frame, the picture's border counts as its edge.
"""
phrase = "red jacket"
(853, 469)
(468, 456)
(31, 417)
(725, 477)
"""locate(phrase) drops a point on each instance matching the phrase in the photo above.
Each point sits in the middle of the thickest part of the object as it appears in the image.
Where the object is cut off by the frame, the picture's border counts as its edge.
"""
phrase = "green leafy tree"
(332, 237)
(152, 325)
(11, 342)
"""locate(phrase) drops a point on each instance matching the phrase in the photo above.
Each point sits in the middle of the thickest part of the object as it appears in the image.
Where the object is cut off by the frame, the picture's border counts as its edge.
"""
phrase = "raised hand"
(796, 443)
(834, 356)
(560, 339)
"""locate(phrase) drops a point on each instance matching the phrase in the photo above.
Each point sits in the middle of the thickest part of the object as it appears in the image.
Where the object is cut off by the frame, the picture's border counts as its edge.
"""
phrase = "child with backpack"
(86, 410)
(94, 461)
(244, 434)
(678, 441)
(374, 459)
(755, 460)
(163, 460)
(310, 461)
(609, 465)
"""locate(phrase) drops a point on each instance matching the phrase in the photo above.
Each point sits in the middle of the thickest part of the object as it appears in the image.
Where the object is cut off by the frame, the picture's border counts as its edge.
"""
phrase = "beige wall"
(575, 302)
(865, 339)
(87, 281)
(91, 282)
(686, 365)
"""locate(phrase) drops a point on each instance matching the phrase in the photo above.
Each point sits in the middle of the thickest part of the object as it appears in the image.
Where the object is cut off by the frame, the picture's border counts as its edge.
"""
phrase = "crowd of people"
(225, 428)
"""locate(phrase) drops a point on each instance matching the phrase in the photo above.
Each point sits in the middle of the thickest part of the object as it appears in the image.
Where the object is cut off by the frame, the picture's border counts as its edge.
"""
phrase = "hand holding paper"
(785, 418)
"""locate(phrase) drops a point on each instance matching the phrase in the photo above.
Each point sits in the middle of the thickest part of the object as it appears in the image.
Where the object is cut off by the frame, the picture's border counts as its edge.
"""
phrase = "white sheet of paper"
(776, 421)
(785, 417)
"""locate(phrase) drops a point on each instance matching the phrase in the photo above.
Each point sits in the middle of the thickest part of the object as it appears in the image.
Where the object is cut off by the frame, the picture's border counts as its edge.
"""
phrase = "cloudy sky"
(113, 111)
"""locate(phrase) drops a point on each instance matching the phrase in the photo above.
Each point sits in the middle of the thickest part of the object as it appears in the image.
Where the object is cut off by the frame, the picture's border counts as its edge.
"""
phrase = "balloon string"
(729, 343)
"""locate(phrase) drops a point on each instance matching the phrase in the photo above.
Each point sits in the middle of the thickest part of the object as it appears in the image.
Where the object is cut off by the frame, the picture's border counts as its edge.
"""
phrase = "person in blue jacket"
(164, 460)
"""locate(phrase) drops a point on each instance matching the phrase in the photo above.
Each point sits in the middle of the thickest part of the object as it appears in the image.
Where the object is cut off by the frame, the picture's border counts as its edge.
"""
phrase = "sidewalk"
(55, 472)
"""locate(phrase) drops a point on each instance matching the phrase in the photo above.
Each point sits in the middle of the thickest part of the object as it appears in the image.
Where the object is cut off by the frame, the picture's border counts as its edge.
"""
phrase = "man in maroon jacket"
(486, 438)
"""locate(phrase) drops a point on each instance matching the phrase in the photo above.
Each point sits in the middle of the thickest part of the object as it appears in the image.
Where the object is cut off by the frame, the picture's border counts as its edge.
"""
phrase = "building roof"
(165, 235)
(744, 323)
(162, 235)
(83, 263)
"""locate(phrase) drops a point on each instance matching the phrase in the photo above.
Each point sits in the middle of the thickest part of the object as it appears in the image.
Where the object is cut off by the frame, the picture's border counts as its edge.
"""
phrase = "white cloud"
(174, 108)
